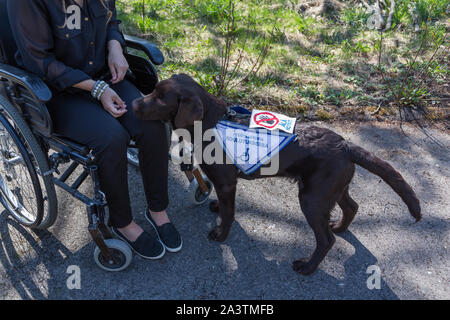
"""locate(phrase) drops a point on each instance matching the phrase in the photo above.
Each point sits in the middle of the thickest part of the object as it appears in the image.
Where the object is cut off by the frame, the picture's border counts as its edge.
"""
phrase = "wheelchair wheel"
(26, 195)
(195, 194)
(133, 156)
(121, 253)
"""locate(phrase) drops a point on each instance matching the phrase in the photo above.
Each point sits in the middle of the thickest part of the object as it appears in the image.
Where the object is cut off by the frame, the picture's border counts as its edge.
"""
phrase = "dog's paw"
(304, 267)
(217, 234)
(337, 227)
(214, 206)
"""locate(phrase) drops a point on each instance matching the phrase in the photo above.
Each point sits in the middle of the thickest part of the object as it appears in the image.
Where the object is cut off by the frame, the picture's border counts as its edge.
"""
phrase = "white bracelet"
(102, 90)
(99, 88)
(95, 89)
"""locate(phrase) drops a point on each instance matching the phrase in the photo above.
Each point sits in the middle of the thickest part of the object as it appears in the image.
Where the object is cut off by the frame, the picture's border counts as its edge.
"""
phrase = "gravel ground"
(270, 232)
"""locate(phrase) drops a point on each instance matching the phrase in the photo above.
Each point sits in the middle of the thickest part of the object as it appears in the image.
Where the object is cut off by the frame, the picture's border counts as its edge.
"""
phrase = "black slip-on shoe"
(167, 233)
(146, 245)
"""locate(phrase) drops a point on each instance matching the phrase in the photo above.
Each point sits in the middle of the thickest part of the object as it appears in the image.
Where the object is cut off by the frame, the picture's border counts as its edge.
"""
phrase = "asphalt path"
(269, 233)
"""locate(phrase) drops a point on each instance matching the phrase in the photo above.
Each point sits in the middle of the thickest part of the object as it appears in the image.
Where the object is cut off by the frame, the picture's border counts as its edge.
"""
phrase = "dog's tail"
(385, 171)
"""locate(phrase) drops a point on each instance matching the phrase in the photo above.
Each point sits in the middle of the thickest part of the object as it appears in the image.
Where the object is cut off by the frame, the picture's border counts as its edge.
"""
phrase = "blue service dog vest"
(250, 148)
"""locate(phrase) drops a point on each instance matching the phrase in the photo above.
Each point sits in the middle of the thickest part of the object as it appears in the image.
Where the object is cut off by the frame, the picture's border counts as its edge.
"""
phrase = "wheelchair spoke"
(15, 160)
(15, 186)
(25, 190)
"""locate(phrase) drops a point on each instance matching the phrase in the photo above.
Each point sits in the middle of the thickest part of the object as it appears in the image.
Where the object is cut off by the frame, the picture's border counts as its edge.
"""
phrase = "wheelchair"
(31, 153)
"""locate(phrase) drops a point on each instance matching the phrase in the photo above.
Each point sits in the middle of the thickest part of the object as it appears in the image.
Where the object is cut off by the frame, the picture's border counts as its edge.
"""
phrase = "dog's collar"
(231, 113)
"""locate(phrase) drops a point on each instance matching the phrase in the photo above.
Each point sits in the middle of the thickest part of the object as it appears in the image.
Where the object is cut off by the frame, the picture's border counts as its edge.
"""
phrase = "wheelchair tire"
(195, 194)
(35, 161)
(133, 156)
(121, 252)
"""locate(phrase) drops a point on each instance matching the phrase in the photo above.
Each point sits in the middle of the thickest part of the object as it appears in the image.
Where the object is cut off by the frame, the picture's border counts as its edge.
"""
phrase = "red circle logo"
(266, 120)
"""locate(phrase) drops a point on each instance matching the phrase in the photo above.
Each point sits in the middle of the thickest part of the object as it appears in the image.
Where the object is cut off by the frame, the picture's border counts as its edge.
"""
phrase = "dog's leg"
(349, 208)
(226, 195)
(316, 207)
(214, 206)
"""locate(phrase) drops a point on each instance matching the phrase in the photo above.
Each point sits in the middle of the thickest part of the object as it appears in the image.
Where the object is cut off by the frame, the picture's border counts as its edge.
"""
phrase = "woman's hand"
(117, 63)
(112, 103)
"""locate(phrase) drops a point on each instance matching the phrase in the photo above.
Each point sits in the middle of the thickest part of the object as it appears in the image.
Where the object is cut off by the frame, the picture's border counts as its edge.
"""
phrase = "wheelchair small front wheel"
(121, 253)
(195, 193)
(133, 156)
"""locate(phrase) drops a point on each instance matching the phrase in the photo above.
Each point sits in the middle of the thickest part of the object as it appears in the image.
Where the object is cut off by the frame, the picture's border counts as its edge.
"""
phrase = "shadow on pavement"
(255, 262)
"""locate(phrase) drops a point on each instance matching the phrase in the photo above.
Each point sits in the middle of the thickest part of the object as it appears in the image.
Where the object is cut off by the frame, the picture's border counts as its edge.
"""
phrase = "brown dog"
(320, 160)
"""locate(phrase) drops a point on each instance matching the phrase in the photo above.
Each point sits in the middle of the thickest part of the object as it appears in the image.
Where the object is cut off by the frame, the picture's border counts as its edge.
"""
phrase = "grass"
(314, 63)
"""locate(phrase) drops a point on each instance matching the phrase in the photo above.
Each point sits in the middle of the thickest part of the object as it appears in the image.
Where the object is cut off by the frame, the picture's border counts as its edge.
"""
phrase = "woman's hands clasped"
(113, 104)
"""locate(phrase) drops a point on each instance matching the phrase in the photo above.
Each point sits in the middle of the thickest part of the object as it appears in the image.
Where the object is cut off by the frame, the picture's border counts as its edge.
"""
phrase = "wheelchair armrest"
(150, 49)
(35, 86)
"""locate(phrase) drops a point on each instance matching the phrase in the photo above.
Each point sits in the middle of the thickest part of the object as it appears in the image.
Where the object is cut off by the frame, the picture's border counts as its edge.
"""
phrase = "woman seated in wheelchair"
(72, 44)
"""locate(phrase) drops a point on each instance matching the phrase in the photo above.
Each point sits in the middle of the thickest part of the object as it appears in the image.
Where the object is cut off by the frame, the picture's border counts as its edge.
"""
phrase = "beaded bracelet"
(102, 87)
(101, 90)
(99, 87)
(95, 89)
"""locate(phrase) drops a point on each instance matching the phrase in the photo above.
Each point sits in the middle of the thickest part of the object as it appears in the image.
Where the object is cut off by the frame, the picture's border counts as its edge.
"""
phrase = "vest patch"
(271, 121)
(250, 148)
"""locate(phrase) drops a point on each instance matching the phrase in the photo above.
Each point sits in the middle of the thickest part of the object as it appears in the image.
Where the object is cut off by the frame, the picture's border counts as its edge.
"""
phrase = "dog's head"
(177, 99)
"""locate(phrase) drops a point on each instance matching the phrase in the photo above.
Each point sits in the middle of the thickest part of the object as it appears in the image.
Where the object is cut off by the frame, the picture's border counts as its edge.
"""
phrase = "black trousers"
(78, 116)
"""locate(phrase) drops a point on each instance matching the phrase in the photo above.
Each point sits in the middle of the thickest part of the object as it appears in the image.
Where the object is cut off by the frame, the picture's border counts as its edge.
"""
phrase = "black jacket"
(64, 48)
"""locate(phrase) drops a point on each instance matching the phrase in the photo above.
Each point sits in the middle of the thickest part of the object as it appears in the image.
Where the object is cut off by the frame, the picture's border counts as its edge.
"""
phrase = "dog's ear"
(189, 110)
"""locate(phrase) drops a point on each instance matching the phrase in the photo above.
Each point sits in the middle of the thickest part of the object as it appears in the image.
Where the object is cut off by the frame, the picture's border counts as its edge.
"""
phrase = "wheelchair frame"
(28, 94)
